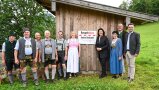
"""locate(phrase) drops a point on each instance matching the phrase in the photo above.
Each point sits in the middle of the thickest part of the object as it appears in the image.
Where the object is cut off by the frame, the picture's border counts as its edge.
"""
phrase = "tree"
(124, 5)
(16, 14)
(143, 6)
(155, 7)
(140, 6)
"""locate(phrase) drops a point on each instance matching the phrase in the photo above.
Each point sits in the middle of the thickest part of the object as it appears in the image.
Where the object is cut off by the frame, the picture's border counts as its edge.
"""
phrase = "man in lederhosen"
(25, 53)
(49, 56)
(8, 56)
(62, 54)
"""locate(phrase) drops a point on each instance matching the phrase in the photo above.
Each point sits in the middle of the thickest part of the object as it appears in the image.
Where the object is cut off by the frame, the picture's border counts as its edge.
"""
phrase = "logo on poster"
(87, 37)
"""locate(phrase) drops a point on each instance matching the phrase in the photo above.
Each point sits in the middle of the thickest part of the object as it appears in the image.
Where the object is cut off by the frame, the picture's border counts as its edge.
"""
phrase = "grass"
(146, 78)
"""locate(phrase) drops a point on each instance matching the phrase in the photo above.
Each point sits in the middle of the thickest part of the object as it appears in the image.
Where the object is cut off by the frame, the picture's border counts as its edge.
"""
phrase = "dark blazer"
(134, 43)
(123, 38)
(104, 44)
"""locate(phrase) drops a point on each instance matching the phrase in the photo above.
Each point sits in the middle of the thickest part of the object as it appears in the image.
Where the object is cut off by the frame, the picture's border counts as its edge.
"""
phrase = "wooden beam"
(100, 7)
(128, 20)
(53, 6)
(108, 9)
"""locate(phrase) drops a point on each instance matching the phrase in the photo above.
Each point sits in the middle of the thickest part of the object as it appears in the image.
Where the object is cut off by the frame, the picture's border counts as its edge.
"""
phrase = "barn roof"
(100, 7)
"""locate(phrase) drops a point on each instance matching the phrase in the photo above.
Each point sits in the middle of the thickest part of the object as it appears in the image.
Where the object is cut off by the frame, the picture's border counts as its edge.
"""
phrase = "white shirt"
(28, 50)
(48, 50)
(128, 41)
(120, 32)
(3, 47)
(61, 44)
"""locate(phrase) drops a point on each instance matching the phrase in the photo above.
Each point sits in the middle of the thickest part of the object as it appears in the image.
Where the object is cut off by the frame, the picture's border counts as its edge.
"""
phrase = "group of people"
(62, 56)
(41, 54)
(124, 46)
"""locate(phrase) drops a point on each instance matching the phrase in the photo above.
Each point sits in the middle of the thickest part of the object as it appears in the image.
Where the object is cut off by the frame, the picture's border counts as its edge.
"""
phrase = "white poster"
(87, 37)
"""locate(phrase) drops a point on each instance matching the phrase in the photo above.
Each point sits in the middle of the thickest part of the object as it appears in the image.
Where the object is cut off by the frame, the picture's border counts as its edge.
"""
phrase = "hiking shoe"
(36, 82)
(24, 84)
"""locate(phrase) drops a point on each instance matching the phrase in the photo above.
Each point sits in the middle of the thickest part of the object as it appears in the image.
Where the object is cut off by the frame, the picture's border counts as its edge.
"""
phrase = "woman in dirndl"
(73, 55)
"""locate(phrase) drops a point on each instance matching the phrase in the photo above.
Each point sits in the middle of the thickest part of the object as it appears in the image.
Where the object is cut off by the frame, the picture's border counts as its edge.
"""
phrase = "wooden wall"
(70, 18)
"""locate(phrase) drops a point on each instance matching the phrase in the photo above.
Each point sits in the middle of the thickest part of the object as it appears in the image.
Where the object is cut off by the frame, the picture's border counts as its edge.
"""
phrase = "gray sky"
(114, 3)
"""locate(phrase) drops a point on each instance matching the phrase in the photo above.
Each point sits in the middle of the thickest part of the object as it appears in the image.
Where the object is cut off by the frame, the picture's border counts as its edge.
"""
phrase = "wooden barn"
(77, 15)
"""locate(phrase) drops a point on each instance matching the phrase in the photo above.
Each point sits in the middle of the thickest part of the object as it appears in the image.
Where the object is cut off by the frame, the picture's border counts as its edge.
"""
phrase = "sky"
(114, 3)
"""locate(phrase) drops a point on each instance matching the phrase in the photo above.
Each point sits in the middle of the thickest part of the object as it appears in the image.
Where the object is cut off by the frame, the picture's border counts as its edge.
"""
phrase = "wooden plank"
(57, 19)
(53, 6)
(67, 23)
(77, 16)
(112, 24)
(128, 20)
(92, 20)
(71, 19)
(76, 25)
(116, 22)
(109, 26)
(121, 20)
(63, 20)
(95, 61)
(104, 22)
(98, 66)
(84, 26)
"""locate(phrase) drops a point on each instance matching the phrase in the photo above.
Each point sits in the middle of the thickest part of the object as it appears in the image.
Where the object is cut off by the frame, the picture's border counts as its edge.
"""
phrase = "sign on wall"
(87, 37)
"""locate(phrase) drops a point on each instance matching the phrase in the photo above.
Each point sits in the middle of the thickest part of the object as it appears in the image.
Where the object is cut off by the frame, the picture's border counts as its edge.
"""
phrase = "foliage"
(144, 6)
(16, 14)
(124, 5)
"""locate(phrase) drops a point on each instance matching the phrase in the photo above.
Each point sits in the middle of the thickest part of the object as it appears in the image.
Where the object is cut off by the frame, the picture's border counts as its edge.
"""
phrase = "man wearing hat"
(8, 56)
(26, 53)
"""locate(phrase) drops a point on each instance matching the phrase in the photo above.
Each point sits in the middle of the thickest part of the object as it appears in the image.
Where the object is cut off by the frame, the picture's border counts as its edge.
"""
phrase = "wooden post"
(53, 5)
(128, 20)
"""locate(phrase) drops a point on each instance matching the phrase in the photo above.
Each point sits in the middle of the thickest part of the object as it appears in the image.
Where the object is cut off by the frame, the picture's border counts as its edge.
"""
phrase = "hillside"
(147, 70)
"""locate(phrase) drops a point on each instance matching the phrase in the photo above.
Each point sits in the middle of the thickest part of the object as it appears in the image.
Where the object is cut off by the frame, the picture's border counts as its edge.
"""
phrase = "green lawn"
(147, 70)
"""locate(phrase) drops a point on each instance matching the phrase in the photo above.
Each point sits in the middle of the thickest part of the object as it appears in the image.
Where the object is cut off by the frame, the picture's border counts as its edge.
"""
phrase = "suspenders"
(62, 44)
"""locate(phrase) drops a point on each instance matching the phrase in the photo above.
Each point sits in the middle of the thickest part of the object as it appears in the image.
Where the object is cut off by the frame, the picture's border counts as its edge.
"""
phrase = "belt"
(48, 46)
(28, 56)
(48, 56)
(60, 51)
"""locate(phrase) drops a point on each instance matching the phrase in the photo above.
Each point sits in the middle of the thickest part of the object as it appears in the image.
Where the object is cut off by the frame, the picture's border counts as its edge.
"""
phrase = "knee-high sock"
(10, 77)
(60, 71)
(47, 74)
(20, 77)
(24, 77)
(35, 75)
(53, 72)
(64, 72)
